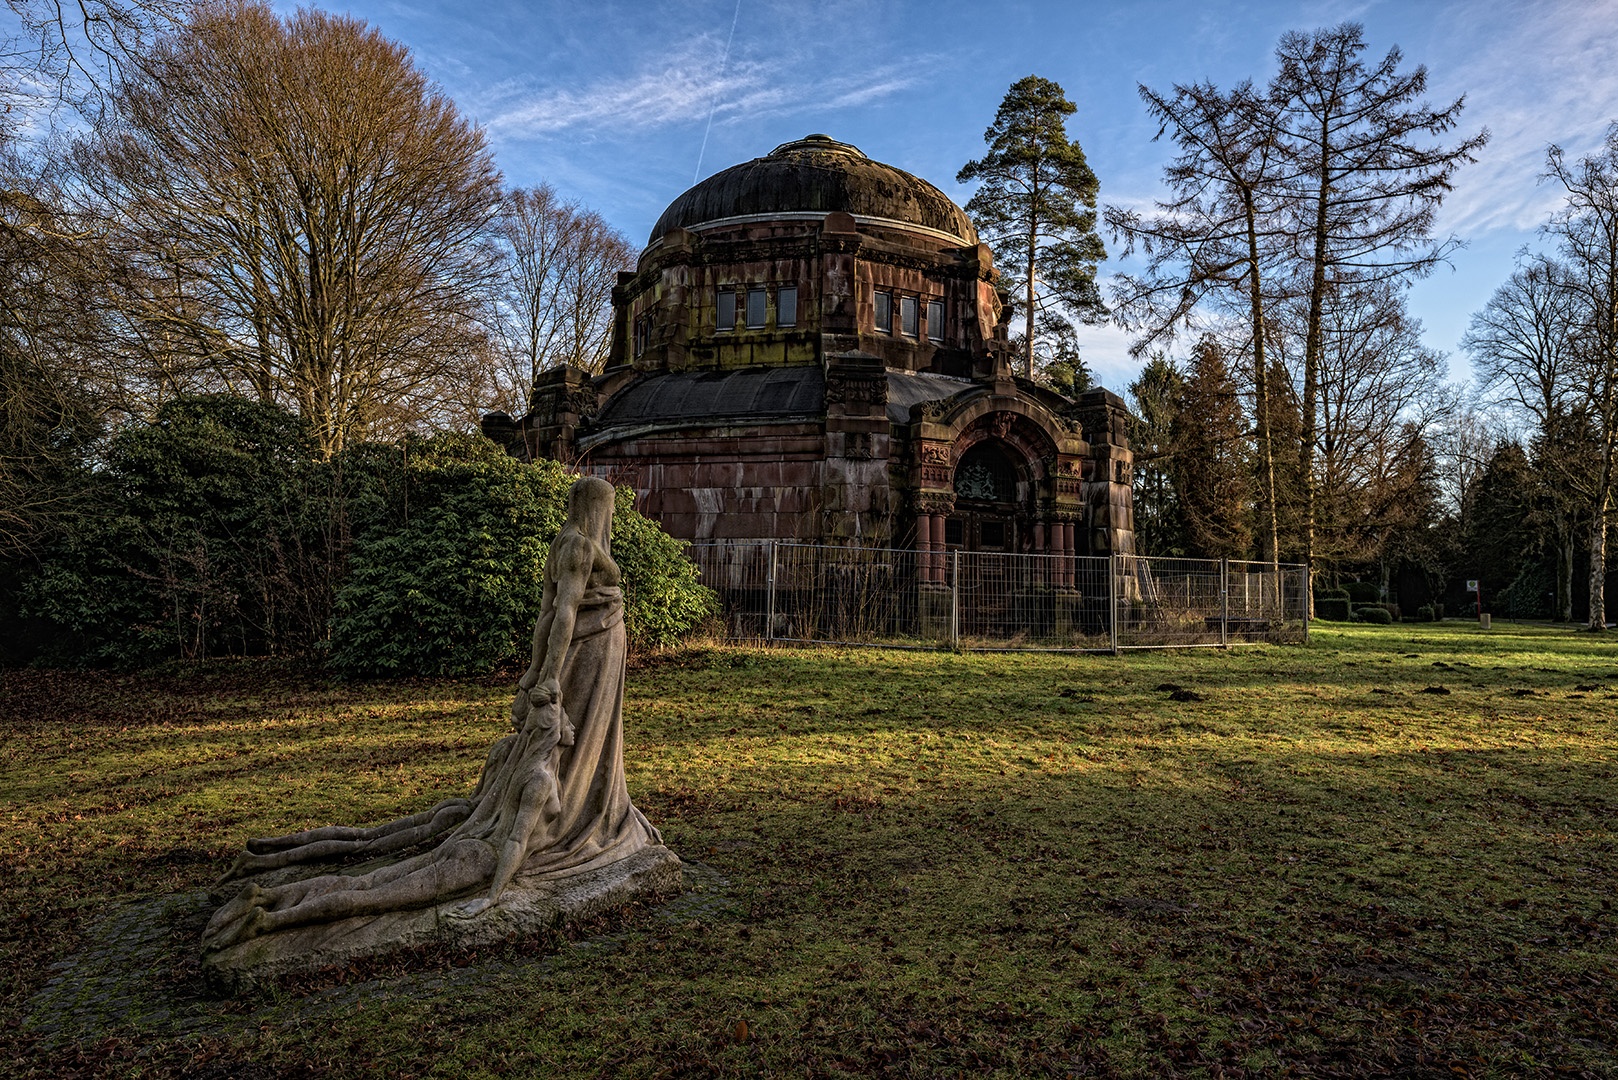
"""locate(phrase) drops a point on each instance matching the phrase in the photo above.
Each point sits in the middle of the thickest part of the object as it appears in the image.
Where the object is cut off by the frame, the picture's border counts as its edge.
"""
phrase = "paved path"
(127, 979)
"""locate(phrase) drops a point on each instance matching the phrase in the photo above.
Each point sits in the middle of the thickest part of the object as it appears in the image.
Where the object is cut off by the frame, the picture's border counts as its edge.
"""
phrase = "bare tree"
(1378, 391)
(50, 407)
(1216, 246)
(1368, 185)
(1586, 228)
(1522, 345)
(294, 211)
(553, 295)
(70, 54)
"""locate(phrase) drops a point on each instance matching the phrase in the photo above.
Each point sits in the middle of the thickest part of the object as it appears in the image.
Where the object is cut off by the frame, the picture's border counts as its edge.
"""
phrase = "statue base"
(530, 905)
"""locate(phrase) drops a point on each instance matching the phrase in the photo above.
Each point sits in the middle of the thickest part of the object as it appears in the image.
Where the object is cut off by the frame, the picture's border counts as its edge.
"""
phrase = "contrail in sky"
(723, 63)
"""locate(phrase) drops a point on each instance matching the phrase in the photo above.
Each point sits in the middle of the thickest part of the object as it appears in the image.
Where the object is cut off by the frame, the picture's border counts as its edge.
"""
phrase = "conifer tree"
(1036, 207)
(1212, 474)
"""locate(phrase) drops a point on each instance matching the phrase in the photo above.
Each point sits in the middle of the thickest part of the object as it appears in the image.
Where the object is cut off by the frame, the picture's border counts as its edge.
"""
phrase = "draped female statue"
(551, 801)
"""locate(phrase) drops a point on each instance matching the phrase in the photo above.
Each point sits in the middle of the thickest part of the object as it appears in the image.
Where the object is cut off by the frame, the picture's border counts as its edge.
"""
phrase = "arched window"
(986, 474)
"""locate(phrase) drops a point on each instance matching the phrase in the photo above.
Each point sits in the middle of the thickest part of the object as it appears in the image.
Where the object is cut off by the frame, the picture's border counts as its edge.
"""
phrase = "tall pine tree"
(1036, 207)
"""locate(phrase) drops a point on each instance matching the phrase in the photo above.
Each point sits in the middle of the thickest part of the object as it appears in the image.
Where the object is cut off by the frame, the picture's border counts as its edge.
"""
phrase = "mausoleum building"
(813, 347)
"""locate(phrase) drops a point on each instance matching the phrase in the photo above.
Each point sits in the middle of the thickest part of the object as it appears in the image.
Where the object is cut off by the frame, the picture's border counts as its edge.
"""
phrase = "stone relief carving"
(843, 389)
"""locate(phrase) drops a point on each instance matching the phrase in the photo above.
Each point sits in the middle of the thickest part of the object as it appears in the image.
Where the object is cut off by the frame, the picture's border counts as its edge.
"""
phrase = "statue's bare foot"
(251, 925)
(469, 909)
(246, 863)
(236, 908)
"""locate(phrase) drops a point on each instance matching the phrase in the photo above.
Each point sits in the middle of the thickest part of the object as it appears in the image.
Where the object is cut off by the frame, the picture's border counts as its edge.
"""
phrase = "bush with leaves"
(198, 543)
(449, 542)
(216, 529)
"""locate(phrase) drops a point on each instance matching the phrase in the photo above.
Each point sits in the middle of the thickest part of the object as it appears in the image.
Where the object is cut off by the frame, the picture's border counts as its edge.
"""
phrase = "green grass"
(984, 864)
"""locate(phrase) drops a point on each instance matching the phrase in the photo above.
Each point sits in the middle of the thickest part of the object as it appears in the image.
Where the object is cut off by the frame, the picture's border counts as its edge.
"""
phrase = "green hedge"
(1363, 592)
(1331, 608)
(1373, 613)
(219, 531)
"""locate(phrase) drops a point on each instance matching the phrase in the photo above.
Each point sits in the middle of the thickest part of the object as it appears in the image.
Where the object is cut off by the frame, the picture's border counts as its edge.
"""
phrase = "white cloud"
(1534, 73)
(683, 88)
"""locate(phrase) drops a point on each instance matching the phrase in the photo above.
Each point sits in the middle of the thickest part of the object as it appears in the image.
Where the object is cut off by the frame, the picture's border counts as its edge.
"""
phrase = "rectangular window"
(907, 316)
(786, 306)
(640, 336)
(884, 312)
(727, 310)
(755, 309)
(935, 321)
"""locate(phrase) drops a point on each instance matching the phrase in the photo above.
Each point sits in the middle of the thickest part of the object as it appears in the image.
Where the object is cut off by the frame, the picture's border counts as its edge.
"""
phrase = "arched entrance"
(986, 485)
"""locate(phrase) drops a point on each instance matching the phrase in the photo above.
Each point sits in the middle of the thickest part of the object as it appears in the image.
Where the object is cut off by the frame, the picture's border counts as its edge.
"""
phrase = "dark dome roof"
(817, 174)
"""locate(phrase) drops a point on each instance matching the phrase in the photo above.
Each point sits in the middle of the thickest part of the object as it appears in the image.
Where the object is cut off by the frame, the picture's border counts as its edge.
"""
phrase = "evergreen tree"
(1037, 207)
(1159, 519)
(1211, 467)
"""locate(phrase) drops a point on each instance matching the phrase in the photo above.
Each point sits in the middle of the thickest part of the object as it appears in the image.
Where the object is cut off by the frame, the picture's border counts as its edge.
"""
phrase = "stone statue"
(551, 802)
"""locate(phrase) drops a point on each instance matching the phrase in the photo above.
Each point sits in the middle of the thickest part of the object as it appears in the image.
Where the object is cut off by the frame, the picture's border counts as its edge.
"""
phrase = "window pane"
(907, 316)
(884, 312)
(727, 310)
(786, 306)
(755, 309)
(935, 320)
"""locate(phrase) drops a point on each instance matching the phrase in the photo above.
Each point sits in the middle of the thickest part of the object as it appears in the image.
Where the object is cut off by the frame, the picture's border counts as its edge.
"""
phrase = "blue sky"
(623, 105)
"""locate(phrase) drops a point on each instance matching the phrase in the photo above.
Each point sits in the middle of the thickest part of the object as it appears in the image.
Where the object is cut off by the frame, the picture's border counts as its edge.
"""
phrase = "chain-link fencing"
(790, 592)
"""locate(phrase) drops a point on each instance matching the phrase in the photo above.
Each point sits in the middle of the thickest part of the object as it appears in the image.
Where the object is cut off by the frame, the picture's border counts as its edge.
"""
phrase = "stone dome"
(814, 176)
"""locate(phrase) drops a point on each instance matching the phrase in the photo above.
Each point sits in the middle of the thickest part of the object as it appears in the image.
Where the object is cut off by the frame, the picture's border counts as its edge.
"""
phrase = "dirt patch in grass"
(937, 864)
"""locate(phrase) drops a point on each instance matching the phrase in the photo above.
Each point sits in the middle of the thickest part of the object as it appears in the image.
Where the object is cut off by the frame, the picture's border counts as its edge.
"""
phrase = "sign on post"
(1471, 584)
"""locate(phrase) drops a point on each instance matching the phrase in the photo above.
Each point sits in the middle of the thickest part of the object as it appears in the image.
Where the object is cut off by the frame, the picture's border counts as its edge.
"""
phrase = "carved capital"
(941, 503)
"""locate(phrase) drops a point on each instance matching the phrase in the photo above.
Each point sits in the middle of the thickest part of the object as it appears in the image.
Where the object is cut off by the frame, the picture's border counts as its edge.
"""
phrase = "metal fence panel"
(780, 591)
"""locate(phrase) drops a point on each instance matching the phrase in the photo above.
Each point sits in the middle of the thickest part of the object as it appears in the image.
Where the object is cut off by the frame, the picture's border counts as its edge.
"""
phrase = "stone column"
(940, 558)
(924, 547)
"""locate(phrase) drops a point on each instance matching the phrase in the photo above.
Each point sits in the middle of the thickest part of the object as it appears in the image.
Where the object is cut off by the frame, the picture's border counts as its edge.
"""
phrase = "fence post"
(1112, 598)
(955, 603)
(1305, 605)
(769, 623)
(1224, 603)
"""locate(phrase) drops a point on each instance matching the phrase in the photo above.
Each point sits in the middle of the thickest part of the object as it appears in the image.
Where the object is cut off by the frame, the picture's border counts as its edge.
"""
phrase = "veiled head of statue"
(589, 508)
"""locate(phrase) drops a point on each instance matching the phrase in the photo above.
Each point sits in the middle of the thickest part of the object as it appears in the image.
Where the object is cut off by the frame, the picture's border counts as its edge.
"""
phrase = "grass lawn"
(931, 864)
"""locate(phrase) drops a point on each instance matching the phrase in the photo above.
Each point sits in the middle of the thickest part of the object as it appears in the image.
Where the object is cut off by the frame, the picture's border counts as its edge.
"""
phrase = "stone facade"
(813, 347)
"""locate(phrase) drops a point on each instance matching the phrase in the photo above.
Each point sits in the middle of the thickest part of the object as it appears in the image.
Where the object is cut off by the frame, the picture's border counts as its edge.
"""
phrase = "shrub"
(217, 531)
(199, 544)
(1363, 592)
(1373, 613)
(1332, 608)
(1426, 613)
(450, 540)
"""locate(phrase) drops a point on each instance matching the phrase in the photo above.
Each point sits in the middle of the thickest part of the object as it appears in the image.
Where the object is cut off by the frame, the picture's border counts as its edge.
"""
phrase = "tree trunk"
(1564, 574)
(1028, 335)
(1598, 564)
(1311, 366)
(1270, 537)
